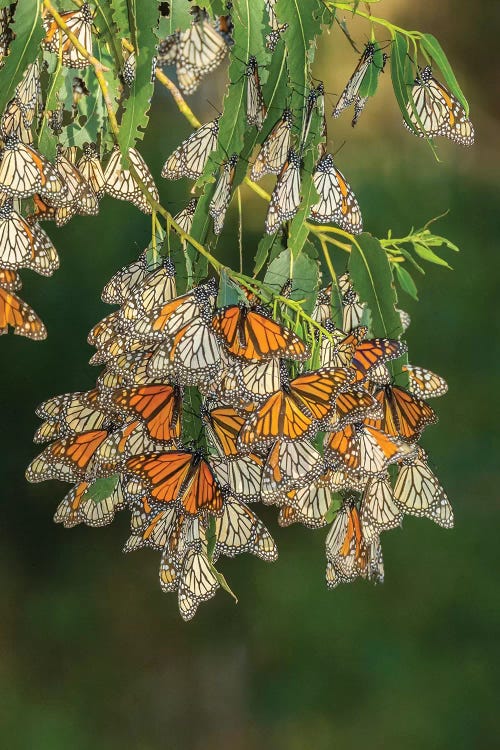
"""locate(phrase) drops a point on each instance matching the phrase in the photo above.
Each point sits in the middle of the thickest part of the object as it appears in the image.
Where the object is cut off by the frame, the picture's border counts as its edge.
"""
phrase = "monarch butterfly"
(285, 198)
(337, 201)
(424, 383)
(256, 108)
(24, 244)
(185, 217)
(296, 410)
(119, 287)
(289, 466)
(223, 425)
(247, 383)
(77, 508)
(353, 309)
(121, 184)
(71, 414)
(404, 415)
(360, 101)
(379, 511)
(66, 459)
(18, 314)
(148, 295)
(433, 111)
(362, 356)
(222, 194)
(354, 405)
(311, 102)
(323, 305)
(27, 92)
(350, 92)
(79, 196)
(79, 22)
(251, 335)
(10, 280)
(239, 530)
(349, 556)
(242, 476)
(192, 356)
(90, 168)
(189, 159)
(181, 476)
(361, 449)
(129, 68)
(307, 505)
(23, 171)
(277, 28)
(417, 491)
(160, 406)
(274, 150)
(111, 455)
(196, 52)
(16, 122)
(197, 582)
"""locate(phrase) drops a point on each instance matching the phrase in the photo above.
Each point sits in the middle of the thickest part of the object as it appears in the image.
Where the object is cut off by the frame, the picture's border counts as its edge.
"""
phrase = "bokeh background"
(94, 655)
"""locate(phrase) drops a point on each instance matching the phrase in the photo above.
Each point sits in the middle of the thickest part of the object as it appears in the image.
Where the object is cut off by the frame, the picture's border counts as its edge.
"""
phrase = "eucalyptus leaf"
(23, 49)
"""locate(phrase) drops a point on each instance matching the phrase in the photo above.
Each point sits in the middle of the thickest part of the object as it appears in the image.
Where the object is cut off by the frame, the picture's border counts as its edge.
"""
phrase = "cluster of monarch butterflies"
(32, 189)
(318, 430)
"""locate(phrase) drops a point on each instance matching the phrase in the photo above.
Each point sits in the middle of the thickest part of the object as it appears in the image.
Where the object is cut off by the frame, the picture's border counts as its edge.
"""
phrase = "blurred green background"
(94, 655)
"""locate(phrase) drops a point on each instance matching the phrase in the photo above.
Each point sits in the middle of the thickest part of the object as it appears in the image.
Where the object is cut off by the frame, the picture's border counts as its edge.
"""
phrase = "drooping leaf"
(370, 80)
(431, 45)
(23, 49)
(266, 244)
(136, 116)
(101, 488)
(109, 32)
(371, 277)
(300, 41)
(402, 74)
(178, 19)
(405, 281)
(427, 254)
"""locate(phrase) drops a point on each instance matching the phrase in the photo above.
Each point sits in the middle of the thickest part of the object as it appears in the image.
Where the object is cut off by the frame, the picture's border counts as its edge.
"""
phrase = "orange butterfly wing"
(160, 407)
(163, 472)
(251, 335)
(373, 352)
(405, 415)
(317, 389)
(23, 319)
(226, 424)
(279, 416)
(202, 491)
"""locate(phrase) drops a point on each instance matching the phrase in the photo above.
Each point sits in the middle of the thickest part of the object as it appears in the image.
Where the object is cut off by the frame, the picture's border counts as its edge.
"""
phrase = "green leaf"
(109, 32)
(59, 83)
(334, 508)
(248, 40)
(120, 14)
(211, 537)
(405, 281)
(304, 272)
(431, 45)
(223, 583)
(23, 49)
(192, 432)
(101, 489)
(266, 244)
(370, 80)
(229, 294)
(402, 74)
(371, 277)
(178, 19)
(305, 25)
(136, 116)
(427, 254)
